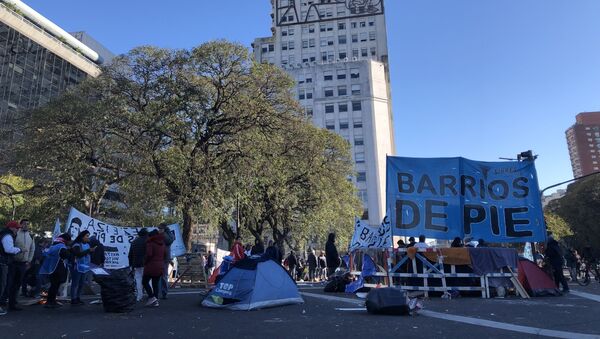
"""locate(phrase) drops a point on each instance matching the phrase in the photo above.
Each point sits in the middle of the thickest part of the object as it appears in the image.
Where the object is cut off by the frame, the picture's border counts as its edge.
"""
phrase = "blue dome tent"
(254, 283)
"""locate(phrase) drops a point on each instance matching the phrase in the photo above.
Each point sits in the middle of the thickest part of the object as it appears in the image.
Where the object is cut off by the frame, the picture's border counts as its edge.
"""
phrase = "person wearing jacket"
(169, 238)
(154, 265)
(311, 261)
(292, 262)
(554, 255)
(54, 266)
(7, 254)
(331, 254)
(137, 254)
(237, 250)
(21, 263)
(80, 265)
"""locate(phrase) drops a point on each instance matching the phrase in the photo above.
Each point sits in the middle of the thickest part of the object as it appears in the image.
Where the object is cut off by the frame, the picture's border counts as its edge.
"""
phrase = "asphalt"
(321, 316)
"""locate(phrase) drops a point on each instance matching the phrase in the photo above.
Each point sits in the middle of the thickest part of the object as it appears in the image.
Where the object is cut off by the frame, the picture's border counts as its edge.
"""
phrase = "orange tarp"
(452, 256)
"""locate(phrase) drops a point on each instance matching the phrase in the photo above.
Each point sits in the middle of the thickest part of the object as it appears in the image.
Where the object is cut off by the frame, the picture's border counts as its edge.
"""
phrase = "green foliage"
(557, 225)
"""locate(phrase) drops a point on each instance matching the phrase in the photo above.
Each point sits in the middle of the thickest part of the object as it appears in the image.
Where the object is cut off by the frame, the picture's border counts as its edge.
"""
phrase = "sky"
(478, 79)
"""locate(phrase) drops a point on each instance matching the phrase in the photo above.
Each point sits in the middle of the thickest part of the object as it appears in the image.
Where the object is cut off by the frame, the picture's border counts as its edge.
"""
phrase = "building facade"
(38, 61)
(336, 50)
(583, 139)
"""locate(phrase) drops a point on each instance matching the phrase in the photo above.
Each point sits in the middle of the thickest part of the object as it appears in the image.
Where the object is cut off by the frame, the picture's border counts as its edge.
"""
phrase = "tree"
(557, 225)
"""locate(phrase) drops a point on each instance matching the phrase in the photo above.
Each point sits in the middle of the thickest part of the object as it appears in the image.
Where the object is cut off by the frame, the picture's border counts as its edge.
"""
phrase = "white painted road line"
(476, 321)
(590, 296)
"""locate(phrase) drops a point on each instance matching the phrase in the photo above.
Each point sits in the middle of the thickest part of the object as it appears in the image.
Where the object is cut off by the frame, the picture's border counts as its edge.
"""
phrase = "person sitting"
(421, 244)
(457, 242)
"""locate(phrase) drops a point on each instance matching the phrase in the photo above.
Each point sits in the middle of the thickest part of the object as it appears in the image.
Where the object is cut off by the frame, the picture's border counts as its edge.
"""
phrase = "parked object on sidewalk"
(390, 301)
(118, 291)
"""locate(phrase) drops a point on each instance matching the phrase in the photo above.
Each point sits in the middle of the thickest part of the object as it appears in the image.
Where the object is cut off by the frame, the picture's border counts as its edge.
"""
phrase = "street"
(321, 316)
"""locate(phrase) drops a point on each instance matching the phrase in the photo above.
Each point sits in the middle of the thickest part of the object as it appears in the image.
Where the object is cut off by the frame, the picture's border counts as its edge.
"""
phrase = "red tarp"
(536, 282)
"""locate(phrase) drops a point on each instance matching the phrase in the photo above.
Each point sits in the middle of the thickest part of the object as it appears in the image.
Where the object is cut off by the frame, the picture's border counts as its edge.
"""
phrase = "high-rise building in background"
(336, 50)
(583, 139)
(39, 60)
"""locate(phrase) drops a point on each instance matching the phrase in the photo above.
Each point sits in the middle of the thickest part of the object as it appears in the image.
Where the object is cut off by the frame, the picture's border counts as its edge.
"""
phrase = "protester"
(292, 262)
(312, 265)
(54, 266)
(421, 244)
(272, 252)
(97, 257)
(469, 242)
(457, 242)
(258, 248)
(401, 244)
(411, 242)
(169, 238)
(80, 265)
(154, 265)
(571, 259)
(331, 254)
(237, 250)
(555, 259)
(32, 274)
(481, 243)
(137, 254)
(322, 266)
(210, 264)
(248, 250)
(21, 263)
(7, 254)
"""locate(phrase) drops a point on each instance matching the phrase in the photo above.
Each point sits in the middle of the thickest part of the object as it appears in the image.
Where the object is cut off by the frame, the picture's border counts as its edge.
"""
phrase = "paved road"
(321, 316)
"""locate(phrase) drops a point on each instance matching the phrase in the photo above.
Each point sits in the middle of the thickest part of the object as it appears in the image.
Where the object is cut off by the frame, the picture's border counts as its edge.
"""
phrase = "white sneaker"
(155, 304)
(151, 301)
(2, 311)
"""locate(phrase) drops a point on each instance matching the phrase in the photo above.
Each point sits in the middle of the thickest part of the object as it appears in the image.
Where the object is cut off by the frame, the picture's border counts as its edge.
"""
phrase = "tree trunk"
(187, 226)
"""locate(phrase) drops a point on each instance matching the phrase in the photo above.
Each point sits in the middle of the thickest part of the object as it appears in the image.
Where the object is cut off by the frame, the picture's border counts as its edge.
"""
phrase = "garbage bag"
(117, 291)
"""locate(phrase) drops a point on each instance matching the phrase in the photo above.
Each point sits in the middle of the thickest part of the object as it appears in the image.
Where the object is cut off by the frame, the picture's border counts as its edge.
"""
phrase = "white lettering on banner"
(369, 237)
(116, 239)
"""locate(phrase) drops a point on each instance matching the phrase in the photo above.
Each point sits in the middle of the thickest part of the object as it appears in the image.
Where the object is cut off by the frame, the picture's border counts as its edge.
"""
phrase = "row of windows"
(344, 124)
(329, 27)
(328, 75)
(342, 90)
(330, 55)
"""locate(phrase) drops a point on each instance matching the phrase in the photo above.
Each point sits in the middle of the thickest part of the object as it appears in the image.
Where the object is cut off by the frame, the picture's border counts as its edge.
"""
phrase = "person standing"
(210, 264)
(154, 265)
(331, 254)
(7, 255)
(272, 252)
(80, 265)
(322, 266)
(137, 254)
(21, 263)
(311, 260)
(168, 239)
(556, 260)
(55, 268)
(411, 242)
(292, 262)
(237, 250)
(97, 257)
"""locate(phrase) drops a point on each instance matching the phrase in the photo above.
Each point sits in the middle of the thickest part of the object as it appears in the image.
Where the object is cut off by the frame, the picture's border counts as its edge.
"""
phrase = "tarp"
(486, 260)
(116, 239)
(536, 282)
(254, 283)
(444, 198)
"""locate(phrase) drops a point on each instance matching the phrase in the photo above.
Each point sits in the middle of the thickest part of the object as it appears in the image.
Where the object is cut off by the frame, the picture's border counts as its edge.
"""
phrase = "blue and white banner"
(366, 237)
(444, 198)
(116, 239)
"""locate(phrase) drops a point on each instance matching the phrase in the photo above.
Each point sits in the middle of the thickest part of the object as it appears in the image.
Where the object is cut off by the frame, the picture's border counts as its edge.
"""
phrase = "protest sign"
(443, 198)
(116, 239)
(366, 237)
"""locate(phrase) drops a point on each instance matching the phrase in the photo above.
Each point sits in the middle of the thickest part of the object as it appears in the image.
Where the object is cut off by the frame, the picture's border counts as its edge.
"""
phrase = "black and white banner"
(366, 236)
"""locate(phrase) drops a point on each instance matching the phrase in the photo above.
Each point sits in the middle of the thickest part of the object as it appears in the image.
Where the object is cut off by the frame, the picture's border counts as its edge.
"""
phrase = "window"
(341, 74)
(364, 52)
(330, 125)
(359, 157)
(358, 123)
(305, 43)
(342, 39)
(265, 48)
(323, 42)
(328, 91)
(284, 46)
(309, 78)
(328, 75)
(309, 95)
(361, 176)
(329, 27)
(271, 48)
(365, 215)
(291, 45)
(354, 37)
(353, 24)
(322, 28)
(363, 24)
(354, 73)
(309, 111)
(342, 107)
(344, 124)
(371, 23)
(355, 53)
(342, 90)
(324, 56)
(311, 42)
(359, 141)
(355, 89)
(311, 28)
(372, 36)
(373, 51)
(301, 94)
(329, 108)
(363, 37)
(341, 26)
(301, 79)
(342, 55)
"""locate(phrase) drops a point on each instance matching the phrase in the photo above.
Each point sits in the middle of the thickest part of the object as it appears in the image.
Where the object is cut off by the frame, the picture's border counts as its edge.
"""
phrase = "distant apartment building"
(337, 53)
(39, 60)
(583, 139)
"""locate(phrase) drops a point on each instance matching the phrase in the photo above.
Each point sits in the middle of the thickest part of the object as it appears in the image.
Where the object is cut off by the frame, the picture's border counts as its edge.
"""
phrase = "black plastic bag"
(117, 291)
(389, 301)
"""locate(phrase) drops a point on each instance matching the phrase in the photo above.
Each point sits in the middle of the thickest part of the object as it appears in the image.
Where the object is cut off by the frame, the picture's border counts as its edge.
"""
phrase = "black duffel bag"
(390, 301)
(117, 291)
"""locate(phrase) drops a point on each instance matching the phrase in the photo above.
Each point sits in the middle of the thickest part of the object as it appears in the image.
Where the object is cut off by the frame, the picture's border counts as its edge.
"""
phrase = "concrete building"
(39, 60)
(337, 53)
(583, 139)
(546, 199)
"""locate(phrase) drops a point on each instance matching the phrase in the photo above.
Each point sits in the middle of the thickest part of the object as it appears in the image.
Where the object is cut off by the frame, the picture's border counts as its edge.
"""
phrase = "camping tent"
(536, 282)
(254, 283)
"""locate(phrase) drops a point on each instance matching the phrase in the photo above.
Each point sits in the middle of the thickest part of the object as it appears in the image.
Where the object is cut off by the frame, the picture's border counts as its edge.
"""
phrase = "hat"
(13, 224)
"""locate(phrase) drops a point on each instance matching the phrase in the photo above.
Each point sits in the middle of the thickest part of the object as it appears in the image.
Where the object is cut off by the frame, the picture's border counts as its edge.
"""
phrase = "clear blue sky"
(472, 78)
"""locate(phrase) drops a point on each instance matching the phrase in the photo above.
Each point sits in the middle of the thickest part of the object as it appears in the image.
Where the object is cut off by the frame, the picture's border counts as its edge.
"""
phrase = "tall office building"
(583, 140)
(336, 50)
(38, 60)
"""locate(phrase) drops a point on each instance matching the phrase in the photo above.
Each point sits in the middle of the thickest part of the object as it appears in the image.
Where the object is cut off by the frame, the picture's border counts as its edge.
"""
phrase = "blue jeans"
(164, 281)
(77, 282)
